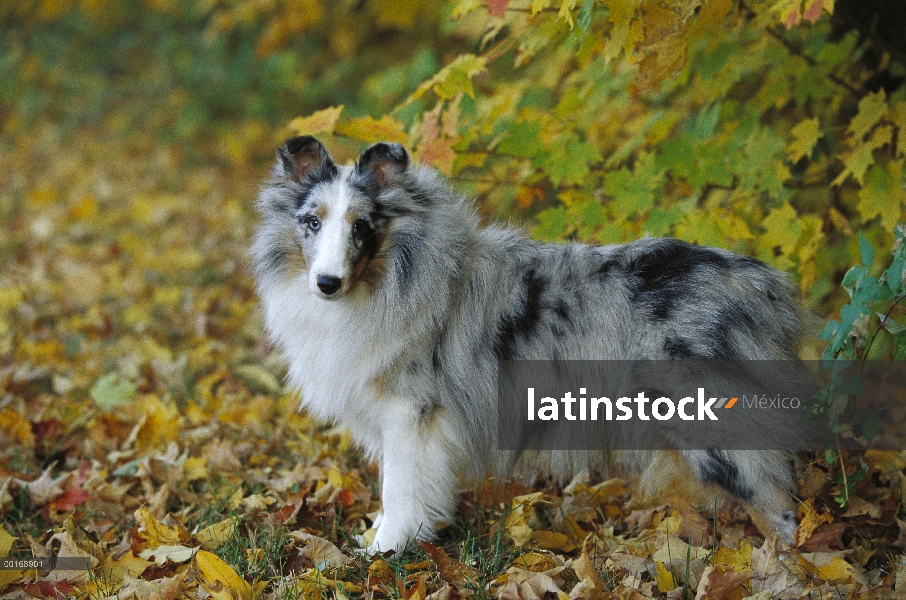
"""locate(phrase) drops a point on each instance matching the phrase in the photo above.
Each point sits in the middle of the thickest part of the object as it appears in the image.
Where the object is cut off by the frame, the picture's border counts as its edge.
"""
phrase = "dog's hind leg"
(418, 475)
(762, 479)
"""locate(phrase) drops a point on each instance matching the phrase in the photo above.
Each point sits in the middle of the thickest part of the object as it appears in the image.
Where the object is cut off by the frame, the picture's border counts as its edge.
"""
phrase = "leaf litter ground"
(145, 428)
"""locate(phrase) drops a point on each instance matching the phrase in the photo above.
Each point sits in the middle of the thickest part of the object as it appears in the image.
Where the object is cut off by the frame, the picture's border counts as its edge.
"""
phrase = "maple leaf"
(369, 129)
(322, 121)
(805, 135)
(71, 498)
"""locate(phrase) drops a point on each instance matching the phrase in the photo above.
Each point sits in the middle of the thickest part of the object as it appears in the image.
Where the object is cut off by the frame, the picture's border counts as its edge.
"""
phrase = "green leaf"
(853, 387)
(853, 275)
(108, 392)
(569, 164)
(889, 324)
(871, 109)
(871, 425)
(828, 332)
(877, 197)
(866, 251)
(523, 139)
(553, 224)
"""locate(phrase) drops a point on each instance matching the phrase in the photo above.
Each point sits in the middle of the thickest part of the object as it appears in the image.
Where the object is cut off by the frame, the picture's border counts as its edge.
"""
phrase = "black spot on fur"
(678, 348)
(383, 211)
(419, 197)
(562, 310)
(435, 361)
(719, 469)
(366, 240)
(729, 319)
(606, 268)
(404, 255)
(275, 259)
(661, 277)
(521, 323)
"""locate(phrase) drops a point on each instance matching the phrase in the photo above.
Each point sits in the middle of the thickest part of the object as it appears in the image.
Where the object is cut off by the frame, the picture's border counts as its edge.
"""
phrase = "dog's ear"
(384, 161)
(303, 155)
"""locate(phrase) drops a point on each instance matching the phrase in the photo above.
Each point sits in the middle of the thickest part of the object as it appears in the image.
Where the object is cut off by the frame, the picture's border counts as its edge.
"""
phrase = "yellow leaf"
(828, 566)
(888, 461)
(195, 468)
(127, 564)
(861, 156)
(219, 578)
(18, 426)
(369, 129)
(156, 533)
(739, 560)
(621, 34)
(565, 13)
(216, 535)
(664, 579)
(551, 540)
(539, 5)
(805, 136)
(6, 541)
(871, 108)
(883, 195)
(534, 561)
(453, 79)
(322, 121)
(8, 577)
(811, 520)
(674, 547)
(782, 228)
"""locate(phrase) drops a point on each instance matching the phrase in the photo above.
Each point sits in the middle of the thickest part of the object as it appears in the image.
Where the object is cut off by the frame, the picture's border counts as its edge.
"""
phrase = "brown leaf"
(718, 584)
(320, 551)
(694, 528)
(451, 592)
(450, 570)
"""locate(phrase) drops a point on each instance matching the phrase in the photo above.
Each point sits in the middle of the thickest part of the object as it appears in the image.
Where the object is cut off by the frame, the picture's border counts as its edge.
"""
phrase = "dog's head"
(332, 224)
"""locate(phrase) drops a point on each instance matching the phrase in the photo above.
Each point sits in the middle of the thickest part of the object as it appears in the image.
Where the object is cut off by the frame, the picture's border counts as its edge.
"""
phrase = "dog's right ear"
(303, 156)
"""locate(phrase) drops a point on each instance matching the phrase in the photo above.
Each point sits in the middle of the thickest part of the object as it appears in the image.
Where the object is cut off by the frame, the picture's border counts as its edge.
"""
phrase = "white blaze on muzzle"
(330, 271)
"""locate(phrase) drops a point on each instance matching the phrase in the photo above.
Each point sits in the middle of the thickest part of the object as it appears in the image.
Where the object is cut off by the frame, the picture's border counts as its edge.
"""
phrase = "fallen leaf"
(450, 570)
(219, 578)
(719, 584)
(319, 551)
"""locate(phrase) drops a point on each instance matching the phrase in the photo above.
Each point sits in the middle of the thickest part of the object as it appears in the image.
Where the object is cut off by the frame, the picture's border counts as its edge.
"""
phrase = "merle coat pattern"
(392, 306)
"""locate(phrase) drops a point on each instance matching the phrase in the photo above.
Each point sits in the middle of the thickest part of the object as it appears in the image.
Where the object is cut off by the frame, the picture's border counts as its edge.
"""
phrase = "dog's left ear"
(384, 161)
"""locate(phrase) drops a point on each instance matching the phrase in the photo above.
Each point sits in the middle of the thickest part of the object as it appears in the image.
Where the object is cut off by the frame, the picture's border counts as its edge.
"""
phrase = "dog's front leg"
(419, 481)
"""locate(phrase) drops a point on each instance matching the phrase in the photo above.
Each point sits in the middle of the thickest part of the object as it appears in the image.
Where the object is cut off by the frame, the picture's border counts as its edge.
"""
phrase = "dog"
(393, 305)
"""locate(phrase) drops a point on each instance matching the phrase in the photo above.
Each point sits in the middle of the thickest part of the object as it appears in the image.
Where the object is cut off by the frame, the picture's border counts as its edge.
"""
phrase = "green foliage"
(752, 126)
(197, 71)
(868, 325)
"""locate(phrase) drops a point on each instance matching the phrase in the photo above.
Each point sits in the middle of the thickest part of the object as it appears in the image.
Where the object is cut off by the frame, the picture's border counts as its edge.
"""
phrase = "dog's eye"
(314, 223)
(359, 227)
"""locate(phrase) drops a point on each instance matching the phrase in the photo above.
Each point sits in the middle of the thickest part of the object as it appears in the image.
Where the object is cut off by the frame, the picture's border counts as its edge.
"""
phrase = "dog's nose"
(328, 284)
